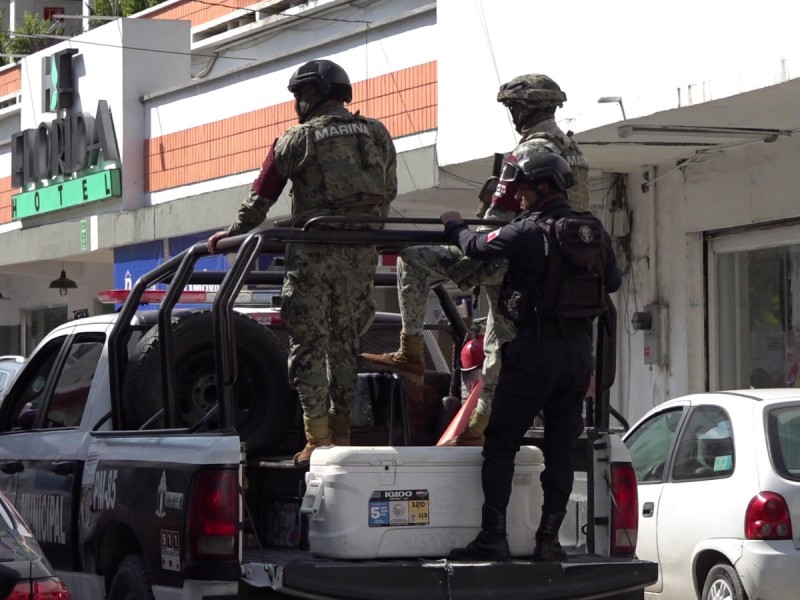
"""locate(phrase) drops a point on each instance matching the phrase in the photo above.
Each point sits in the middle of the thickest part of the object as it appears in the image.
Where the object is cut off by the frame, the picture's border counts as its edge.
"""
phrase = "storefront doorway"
(754, 309)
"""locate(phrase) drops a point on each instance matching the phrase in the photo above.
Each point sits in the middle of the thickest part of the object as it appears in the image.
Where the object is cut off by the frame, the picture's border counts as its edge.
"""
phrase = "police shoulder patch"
(492, 235)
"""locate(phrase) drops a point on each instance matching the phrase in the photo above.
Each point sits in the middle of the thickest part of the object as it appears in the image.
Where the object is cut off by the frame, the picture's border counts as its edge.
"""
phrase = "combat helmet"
(526, 94)
(538, 165)
(330, 79)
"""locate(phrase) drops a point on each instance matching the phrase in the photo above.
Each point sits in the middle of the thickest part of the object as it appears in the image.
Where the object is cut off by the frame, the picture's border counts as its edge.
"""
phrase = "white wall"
(736, 187)
(147, 66)
(643, 52)
(663, 266)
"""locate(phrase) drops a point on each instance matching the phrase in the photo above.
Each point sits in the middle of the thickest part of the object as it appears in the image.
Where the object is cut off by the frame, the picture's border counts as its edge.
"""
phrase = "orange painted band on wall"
(10, 80)
(196, 12)
(405, 101)
(6, 192)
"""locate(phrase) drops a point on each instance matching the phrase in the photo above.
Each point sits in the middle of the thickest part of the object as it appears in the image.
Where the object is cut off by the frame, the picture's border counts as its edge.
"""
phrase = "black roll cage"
(178, 271)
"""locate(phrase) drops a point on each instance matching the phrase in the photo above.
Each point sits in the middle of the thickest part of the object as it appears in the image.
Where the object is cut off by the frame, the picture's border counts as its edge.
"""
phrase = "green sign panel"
(84, 234)
(66, 194)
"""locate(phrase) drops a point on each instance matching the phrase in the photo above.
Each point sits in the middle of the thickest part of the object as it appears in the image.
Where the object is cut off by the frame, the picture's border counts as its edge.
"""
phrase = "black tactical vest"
(573, 283)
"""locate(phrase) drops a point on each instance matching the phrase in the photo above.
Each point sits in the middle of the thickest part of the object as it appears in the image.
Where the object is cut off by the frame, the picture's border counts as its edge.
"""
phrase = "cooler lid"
(375, 456)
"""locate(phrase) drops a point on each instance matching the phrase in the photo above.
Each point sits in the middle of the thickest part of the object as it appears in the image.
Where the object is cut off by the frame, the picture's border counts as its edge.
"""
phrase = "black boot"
(491, 543)
(547, 546)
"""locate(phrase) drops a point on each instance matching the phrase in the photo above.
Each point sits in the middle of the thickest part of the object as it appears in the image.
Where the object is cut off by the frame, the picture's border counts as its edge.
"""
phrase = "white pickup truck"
(149, 452)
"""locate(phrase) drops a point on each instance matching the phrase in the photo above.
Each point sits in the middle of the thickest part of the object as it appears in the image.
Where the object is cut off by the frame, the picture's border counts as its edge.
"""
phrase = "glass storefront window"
(758, 312)
(41, 321)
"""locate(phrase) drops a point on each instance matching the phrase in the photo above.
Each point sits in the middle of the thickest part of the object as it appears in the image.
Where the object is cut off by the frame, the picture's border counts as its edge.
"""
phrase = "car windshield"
(784, 435)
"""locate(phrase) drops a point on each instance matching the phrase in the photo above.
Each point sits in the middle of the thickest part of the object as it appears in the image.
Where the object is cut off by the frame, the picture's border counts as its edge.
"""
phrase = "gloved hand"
(450, 215)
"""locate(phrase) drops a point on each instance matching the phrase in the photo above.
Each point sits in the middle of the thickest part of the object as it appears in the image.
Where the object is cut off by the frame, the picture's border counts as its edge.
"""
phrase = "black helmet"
(533, 91)
(330, 79)
(538, 165)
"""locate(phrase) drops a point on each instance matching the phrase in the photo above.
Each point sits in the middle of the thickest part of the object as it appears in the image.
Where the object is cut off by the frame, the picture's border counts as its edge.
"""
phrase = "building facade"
(193, 93)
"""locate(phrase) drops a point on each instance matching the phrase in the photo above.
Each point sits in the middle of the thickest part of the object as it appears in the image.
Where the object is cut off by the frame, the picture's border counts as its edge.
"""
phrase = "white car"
(719, 495)
(9, 365)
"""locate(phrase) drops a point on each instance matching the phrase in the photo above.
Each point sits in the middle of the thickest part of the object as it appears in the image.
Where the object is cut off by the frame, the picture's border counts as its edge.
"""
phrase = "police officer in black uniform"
(548, 364)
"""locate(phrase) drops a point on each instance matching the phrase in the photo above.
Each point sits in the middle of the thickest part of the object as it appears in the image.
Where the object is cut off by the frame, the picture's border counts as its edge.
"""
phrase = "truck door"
(48, 407)
(18, 408)
(651, 444)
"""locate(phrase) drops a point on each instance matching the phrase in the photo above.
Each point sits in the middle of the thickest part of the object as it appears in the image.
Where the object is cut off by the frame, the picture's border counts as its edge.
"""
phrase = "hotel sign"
(71, 160)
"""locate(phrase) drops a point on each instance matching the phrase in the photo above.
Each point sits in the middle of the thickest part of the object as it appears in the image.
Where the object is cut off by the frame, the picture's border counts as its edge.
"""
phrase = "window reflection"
(649, 445)
(705, 449)
(72, 389)
(759, 318)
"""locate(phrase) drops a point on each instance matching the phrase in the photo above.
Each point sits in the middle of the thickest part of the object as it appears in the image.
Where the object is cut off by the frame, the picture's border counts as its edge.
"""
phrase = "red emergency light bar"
(188, 297)
(155, 297)
(266, 315)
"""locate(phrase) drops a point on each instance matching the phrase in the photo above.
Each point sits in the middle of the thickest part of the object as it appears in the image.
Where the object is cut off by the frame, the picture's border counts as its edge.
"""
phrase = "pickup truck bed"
(299, 573)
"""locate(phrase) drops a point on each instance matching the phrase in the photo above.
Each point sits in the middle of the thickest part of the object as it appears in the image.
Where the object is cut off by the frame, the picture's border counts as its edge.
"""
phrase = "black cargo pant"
(550, 374)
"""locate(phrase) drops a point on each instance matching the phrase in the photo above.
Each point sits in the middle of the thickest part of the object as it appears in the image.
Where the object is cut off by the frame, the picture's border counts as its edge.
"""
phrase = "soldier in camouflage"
(339, 163)
(532, 101)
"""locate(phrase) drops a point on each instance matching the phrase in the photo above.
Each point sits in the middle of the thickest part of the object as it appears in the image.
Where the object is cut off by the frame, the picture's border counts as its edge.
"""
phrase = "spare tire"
(264, 402)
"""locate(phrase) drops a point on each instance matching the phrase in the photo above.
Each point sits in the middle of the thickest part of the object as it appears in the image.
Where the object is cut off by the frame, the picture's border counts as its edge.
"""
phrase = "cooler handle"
(312, 498)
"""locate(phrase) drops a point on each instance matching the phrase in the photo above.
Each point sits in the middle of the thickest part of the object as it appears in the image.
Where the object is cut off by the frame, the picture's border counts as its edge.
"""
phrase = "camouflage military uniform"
(418, 266)
(339, 164)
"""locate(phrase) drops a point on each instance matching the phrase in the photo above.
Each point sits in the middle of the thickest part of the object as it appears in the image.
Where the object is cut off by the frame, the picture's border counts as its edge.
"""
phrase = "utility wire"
(61, 38)
(137, 48)
(494, 60)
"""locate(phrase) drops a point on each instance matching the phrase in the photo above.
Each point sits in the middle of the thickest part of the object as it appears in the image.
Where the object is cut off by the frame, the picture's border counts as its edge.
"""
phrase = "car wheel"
(723, 583)
(131, 581)
(264, 403)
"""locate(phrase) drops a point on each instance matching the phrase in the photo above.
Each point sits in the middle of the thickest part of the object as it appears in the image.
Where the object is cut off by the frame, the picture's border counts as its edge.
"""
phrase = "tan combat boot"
(473, 434)
(317, 436)
(340, 429)
(408, 361)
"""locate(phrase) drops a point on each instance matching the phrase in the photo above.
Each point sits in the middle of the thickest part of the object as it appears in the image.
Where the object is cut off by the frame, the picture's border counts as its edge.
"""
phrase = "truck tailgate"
(583, 576)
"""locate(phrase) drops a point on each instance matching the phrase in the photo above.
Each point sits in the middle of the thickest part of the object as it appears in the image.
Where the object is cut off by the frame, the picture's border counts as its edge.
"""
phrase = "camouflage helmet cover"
(534, 91)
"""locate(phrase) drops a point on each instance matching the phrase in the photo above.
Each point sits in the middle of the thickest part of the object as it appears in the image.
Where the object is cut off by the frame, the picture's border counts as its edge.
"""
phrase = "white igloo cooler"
(392, 502)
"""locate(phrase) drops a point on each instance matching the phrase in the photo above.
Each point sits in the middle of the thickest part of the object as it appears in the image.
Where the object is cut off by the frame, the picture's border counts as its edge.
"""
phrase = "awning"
(668, 137)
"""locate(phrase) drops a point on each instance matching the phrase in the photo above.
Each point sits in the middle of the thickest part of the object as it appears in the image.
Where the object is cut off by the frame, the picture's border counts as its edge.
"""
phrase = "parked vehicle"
(719, 494)
(9, 365)
(154, 458)
(26, 573)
